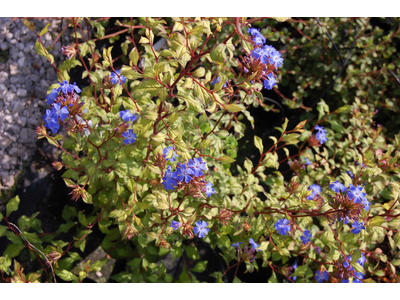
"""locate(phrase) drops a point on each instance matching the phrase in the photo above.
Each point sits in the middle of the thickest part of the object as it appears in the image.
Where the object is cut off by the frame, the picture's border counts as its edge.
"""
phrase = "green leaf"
(233, 108)
(191, 252)
(322, 108)
(258, 143)
(5, 264)
(45, 29)
(13, 250)
(376, 221)
(148, 86)
(226, 160)
(12, 205)
(66, 275)
(134, 56)
(218, 54)
(200, 266)
(300, 271)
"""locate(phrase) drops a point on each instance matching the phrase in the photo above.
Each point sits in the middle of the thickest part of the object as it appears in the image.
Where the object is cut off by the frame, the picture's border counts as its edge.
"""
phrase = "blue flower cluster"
(186, 173)
(59, 111)
(350, 268)
(353, 192)
(130, 136)
(321, 134)
(264, 58)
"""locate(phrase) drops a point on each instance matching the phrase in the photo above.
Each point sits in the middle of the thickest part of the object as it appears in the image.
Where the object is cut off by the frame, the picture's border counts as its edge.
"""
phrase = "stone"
(13, 79)
(21, 61)
(13, 41)
(40, 92)
(17, 33)
(22, 92)
(22, 121)
(4, 143)
(18, 107)
(9, 36)
(21, 46)
(21, 54)
(3, 77)
(9, 97)
(44, 84)
(47, 36)
(6, 179)
(8, 118)
(34, 77)
(4, 46)
(33, 122)
(14, 69)
(12, 129)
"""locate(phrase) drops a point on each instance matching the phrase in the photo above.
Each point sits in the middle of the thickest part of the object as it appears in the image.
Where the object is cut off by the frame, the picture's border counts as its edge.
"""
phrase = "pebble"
(21, 61)
(22, 93)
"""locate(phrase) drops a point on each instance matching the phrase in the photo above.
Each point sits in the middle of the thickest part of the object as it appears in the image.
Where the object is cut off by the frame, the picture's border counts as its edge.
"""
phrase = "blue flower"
(237, 245)
(362, 259)
(307, 163)
(185, 172)
(209, 189)
(52, 96)
(197, 164)
(316, 189)
(127, 116)
(321, 137)
(61, 113)
(306, 237)
(130, 137)
(321, 277)
(355, 194)
(175, 225)
(270, 81)
(294, 266)
(169, 180)
(282, 226)
(259, 39)
(201, 229)
(76, 88)
(345, 281)
(337, 187)
(51, 121)
(357, 227)
(253, 244)
(168, 150)
(253, 31)
(216, 80)
(359, 275)
(276, 59)
(350, 174)
(114, 77)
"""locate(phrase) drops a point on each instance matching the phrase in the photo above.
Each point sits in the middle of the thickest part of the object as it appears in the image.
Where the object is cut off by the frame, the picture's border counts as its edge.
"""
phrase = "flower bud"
(57, 165)
(224, 216)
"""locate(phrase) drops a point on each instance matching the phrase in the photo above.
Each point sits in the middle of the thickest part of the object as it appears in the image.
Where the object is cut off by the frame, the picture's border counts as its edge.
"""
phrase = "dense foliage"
(174, 140)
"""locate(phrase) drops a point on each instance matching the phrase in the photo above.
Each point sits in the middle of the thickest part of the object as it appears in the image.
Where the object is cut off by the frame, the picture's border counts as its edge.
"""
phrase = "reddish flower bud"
(224, 216)
(312, 141)
(246, 226)
(163, 243)
(187, 230)
(57, 165)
